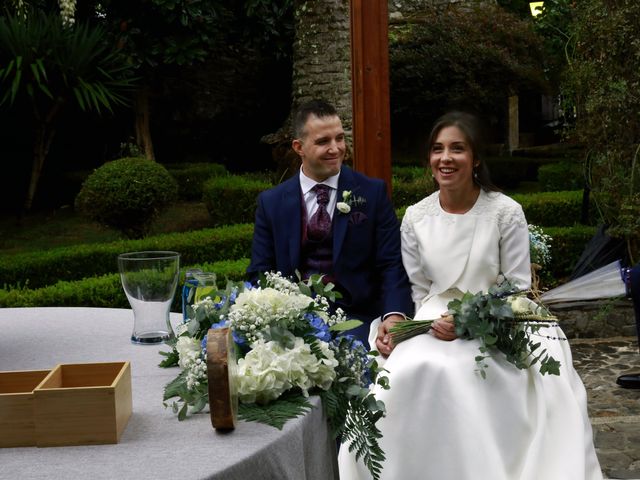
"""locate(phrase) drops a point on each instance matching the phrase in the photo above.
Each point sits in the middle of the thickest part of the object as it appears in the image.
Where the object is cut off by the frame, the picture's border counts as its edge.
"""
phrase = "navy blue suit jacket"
(367, 261)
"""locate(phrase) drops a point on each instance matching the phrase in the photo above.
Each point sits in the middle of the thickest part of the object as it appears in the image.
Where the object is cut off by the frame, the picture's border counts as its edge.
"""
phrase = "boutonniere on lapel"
(349, 201)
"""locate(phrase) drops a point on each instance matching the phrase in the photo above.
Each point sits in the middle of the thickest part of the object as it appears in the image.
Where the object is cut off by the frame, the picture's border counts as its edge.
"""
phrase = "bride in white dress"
(444, 421)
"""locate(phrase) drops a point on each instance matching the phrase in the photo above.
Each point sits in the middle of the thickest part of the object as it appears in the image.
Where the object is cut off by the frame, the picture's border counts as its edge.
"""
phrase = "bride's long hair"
(470, 127)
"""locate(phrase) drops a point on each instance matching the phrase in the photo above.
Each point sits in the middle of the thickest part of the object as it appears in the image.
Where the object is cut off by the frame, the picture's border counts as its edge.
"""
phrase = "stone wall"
(598, 320)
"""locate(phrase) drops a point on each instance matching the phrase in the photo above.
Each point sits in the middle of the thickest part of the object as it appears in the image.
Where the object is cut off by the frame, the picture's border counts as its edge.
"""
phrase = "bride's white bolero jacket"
(490, 239)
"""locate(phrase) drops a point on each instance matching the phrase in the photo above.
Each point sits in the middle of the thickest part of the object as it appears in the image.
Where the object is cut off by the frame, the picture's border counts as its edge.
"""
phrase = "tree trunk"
(42, 142)
(143, 131)
(321, 69)
(322, 55)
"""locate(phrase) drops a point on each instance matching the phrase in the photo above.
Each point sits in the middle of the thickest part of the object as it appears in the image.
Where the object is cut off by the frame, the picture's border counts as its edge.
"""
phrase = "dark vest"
(316, 256)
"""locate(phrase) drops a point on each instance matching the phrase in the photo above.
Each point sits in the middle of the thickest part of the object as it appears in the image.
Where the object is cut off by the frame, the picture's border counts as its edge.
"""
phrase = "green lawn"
(63, 227)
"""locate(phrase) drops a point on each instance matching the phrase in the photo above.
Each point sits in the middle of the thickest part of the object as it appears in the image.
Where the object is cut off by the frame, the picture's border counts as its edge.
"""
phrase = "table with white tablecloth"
(154, 445)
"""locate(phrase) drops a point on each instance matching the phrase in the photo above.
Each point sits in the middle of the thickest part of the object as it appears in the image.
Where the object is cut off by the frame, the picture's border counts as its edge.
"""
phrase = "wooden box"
(17, 406)
(83, 404)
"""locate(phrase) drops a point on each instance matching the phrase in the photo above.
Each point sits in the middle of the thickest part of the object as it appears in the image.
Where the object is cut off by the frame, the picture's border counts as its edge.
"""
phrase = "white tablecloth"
(154, 444)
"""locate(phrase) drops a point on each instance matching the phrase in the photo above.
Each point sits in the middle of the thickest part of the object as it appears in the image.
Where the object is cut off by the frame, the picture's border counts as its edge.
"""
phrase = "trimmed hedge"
(546, 209)
(561, 176)
(553, 209)
(232, 199)
(567, 245)
(404, 173)
(407, 193)
(106, 291)
(38, 269)
(191, 177)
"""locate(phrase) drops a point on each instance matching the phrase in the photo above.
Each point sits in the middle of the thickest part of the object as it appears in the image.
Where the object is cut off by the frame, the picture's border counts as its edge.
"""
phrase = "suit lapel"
(292, 219)
(340, 220)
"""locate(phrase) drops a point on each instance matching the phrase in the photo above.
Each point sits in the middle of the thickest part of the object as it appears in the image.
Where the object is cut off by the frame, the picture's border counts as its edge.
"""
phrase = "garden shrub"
(556, 177)
(464, 56)
(232, 199)
(192, 176)
(127, 194)
(407, 193)
(553, 209)
(106, 290)
(409, 173)
(602, 78)
(37, 269)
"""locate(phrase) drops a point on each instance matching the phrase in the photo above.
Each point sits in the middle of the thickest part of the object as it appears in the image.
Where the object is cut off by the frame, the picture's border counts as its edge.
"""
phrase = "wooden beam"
(370, 88)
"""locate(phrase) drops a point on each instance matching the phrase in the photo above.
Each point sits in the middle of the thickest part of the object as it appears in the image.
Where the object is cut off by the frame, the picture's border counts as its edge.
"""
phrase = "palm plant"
(51, 65)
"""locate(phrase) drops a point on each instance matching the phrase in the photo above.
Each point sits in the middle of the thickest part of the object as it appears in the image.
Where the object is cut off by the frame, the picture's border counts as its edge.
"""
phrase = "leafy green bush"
(127, 194)
(38, 269)
(553, 209)
(603, 79)
(546, 209)
(232, 199)
(409, 173)
(105, 291)
(407, 193)
(465, 56)
(192, 176)
(557, 177)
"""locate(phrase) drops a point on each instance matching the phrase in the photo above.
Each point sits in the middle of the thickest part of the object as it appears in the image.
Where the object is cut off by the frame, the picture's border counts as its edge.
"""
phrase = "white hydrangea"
(269, 369)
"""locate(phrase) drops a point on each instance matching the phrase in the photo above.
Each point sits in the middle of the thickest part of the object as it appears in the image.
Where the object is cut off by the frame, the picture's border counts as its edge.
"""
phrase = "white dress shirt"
(310, 201)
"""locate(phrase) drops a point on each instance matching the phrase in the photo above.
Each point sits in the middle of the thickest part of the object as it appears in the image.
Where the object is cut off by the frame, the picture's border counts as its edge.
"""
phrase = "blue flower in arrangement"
(321, 329)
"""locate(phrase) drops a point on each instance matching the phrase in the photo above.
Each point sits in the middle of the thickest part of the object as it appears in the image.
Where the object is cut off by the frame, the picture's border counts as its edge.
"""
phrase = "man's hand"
(444, 328)
(384, 343)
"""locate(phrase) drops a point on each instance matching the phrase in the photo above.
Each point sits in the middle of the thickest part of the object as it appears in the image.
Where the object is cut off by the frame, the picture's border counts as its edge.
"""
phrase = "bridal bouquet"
(289, 345)
(502, 320)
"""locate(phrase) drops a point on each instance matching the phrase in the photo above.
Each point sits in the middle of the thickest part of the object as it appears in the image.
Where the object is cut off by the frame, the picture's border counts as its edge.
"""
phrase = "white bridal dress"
(444, 421)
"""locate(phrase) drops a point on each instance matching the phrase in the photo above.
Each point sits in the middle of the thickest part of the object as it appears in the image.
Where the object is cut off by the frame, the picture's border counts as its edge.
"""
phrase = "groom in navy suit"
(332, 220)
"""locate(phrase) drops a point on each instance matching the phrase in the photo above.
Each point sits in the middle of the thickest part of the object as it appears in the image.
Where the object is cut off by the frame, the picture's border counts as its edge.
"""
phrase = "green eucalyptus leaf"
(345, 326)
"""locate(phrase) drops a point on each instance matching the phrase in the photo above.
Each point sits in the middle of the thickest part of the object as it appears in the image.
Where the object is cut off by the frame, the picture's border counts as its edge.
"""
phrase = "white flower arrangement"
(290, 344)
(269, 370)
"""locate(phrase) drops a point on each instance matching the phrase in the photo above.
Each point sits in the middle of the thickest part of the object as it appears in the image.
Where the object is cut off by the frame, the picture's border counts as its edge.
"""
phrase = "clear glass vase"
(149, 280)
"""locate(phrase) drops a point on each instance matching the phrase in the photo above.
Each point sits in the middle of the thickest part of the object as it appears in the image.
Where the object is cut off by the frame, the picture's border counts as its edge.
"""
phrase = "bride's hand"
(384, 343)
(444, 328)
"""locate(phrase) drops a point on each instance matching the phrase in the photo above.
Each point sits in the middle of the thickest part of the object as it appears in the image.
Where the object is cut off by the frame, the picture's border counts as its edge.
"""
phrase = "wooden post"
(370, 88)
(514, 124)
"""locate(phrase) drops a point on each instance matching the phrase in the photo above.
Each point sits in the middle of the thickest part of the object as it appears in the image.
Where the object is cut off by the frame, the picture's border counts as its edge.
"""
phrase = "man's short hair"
(319, 108)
